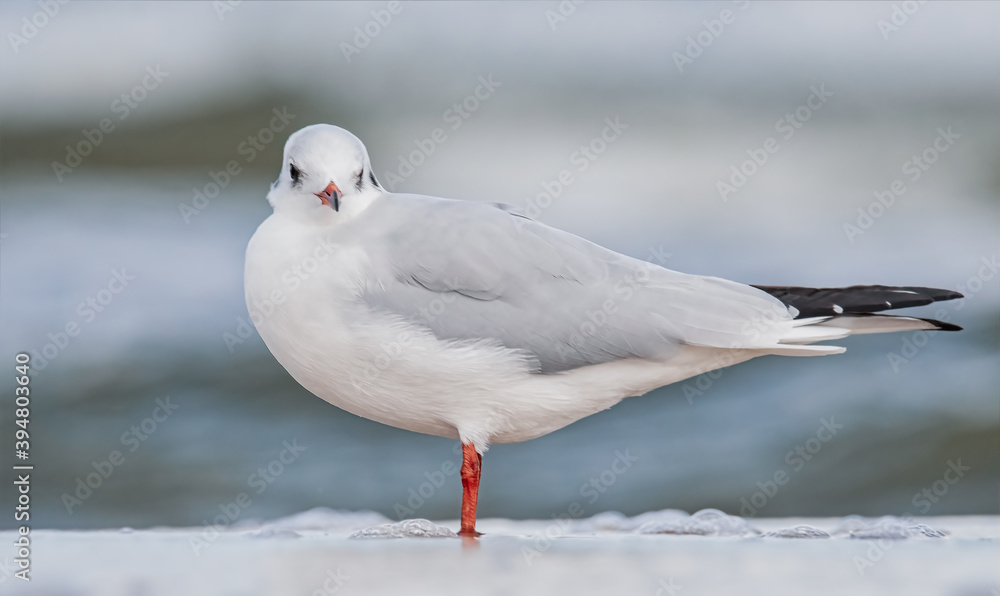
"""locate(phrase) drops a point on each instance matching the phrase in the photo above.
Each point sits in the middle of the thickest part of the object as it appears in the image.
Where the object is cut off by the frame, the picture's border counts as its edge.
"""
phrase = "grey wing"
(472, 271)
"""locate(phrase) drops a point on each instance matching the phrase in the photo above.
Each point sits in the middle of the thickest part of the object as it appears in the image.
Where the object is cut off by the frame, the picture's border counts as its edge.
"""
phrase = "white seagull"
(473, 322)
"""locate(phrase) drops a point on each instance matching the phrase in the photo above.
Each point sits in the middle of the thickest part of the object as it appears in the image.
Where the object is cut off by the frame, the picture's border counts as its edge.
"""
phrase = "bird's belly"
(382, 367)
(334, 347)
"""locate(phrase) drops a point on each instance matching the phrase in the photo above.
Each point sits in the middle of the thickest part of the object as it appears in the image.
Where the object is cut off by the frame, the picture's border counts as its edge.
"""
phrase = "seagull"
(471, 321)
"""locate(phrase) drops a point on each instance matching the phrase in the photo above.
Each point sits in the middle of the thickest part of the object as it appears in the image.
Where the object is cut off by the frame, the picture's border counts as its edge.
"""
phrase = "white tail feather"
(812, 334)
(814, 329)
(877, 324)
(794, 350)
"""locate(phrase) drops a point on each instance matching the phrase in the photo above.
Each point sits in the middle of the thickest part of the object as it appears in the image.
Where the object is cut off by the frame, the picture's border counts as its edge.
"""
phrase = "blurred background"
(122, 237)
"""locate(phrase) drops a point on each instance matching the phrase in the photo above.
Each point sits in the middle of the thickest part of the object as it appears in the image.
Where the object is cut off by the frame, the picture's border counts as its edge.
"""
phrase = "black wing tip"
(856, 299)
(942, 326)
(937, 294)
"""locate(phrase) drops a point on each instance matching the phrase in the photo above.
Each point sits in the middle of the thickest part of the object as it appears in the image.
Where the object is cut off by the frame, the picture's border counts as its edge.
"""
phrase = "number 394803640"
(22, 402)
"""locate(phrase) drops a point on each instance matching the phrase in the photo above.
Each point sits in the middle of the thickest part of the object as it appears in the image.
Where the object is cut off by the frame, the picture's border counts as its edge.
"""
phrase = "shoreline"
(523, 557)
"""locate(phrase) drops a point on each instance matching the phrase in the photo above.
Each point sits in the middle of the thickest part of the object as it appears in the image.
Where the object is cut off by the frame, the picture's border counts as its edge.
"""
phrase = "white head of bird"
(326, 176)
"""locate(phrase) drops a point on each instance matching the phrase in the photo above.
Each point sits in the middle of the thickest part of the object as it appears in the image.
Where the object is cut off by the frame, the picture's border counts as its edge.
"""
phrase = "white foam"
(888, 527)
(410, 528)
(707, 522)
(850, 524)
(800, 531)
(613, 521)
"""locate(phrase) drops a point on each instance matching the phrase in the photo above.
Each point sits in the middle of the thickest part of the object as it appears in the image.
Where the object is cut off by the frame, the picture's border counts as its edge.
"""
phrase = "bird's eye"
(295, 173)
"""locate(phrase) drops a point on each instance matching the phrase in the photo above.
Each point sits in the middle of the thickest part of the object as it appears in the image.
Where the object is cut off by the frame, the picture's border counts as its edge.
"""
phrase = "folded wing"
(471, 271)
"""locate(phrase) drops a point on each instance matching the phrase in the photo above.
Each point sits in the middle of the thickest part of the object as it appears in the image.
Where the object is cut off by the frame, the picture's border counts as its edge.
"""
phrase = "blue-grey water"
(129, 293)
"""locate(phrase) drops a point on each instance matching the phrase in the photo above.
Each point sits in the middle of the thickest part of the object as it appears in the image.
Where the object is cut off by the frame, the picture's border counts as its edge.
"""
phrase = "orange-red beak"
(331, 196)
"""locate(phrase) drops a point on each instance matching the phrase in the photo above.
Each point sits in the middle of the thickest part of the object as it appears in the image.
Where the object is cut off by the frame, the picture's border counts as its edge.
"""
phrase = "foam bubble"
(410, 528)
(613, 521)
(888, 527)
(800, 531)
(707, 522)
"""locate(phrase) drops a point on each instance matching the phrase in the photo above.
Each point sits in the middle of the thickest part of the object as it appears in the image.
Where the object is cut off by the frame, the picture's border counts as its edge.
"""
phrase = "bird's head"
(325, 175)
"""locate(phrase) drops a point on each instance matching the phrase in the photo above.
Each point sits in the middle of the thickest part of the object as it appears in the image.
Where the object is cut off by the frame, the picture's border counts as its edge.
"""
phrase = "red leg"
(472, 464)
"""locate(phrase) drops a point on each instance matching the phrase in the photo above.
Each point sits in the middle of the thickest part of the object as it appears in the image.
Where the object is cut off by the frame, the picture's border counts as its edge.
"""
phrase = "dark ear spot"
(295, 173)
(371, 176)
(359, 181)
